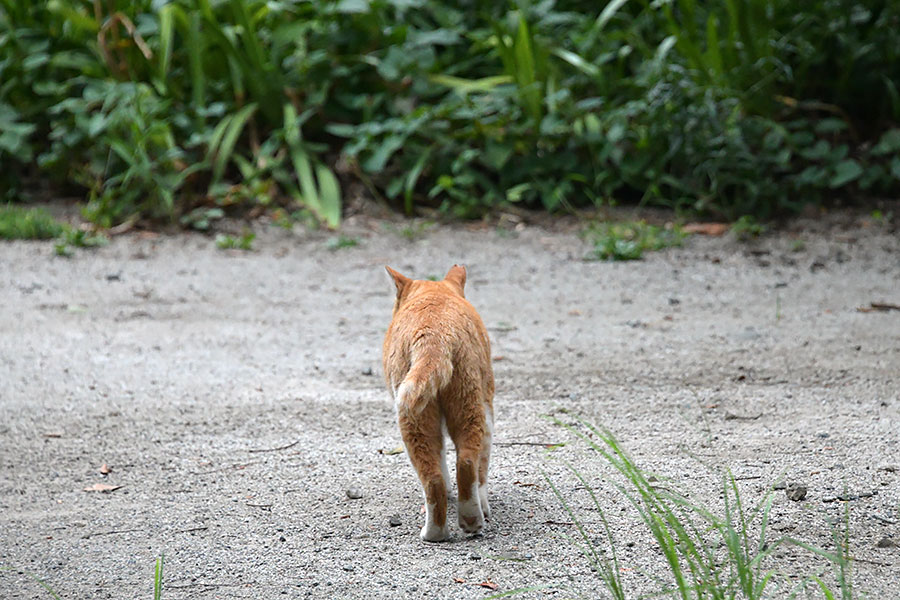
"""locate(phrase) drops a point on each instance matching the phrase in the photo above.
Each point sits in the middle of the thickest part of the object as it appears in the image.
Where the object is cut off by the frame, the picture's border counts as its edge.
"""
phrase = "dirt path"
(237, 396)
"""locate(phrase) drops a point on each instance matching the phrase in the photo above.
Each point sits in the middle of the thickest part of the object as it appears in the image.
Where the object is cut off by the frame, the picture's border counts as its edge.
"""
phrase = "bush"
(181, 110)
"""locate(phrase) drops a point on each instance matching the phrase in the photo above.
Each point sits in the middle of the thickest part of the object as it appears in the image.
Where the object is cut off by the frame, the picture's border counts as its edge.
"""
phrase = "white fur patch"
(431, 532)
(483, 490)
(471, 519)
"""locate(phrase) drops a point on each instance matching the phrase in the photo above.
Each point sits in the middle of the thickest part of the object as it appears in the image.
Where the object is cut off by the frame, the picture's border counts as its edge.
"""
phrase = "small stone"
(395, 521)
(348, 568)
(886, 542)
(796, 492)
(368, 372)
(282, 539)
(354, 493)
(528, 556)
(475, 556)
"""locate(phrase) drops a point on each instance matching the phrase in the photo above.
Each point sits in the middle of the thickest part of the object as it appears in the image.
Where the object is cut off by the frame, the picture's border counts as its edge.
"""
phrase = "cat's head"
(453, 283)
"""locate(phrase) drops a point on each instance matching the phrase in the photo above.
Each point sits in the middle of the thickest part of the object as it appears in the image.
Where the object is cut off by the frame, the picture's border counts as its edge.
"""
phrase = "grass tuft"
(629, 240)
(709, 554)
(18, 223)
(244, 242)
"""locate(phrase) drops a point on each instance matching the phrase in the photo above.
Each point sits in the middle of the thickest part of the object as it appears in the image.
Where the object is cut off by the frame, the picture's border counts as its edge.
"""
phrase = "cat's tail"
(428, 374)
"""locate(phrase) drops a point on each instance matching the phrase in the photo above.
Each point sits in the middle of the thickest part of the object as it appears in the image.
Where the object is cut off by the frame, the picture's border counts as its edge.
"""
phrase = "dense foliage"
(181, 109)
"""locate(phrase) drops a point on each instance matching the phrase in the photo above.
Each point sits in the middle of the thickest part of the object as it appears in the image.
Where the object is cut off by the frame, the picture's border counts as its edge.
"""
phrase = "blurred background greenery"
(185, 110)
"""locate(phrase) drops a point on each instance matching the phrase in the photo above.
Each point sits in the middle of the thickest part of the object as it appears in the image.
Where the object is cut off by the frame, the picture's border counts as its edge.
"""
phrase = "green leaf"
(845, 172)
(231, 132)
(830, 125)
(817, 152)
(577, 61)
(888, 144)
(411, 180)
(467, 86)
(383, 153)
(329, 195)
(166, 37)
(895, 167)
(608, 12)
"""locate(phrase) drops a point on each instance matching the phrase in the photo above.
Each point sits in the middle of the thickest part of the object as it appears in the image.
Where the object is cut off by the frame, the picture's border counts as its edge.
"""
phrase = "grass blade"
(233, 129)
(329, 196)
(158, 578)
(608, 13)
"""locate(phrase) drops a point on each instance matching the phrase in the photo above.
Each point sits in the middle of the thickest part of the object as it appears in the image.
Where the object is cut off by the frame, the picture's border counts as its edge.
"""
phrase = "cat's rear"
(437, 363)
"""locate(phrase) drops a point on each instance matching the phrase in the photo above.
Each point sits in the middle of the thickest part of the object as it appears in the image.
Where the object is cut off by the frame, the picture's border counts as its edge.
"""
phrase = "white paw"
(432, 533)
(485, 507)
(471, 520)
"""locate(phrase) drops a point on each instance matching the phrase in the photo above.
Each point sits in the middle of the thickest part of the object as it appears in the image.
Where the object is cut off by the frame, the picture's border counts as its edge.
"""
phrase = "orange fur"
(437, 363)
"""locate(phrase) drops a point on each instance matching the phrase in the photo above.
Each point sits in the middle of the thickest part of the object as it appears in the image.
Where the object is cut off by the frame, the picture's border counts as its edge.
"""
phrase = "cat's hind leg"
(484, 462)
(424, 442)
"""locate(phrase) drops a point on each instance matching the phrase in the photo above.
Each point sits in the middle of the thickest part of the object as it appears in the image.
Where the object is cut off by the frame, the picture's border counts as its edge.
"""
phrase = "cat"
(437, 364)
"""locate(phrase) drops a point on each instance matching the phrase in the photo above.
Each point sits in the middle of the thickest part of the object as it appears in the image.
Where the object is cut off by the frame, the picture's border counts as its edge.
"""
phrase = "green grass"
(629, 240)
(34, 578)
(17, 223)
(244, 241)
(158, 578)
(709, 553)
(339, 242)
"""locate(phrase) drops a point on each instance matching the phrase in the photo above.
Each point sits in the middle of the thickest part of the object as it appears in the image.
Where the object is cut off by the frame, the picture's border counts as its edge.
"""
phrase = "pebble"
(354, 493)
(348, 567)
(475, 556)
(796, 492)
(395, 521)
(886, 542)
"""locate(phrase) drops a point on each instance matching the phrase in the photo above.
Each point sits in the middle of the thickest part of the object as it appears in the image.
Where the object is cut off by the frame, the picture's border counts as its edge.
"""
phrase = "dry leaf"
(489, 585)
(458, 580)
(52, 434)
(105, 470)
(714, 229)
(397, 450)
(878, 307)
(102, 487)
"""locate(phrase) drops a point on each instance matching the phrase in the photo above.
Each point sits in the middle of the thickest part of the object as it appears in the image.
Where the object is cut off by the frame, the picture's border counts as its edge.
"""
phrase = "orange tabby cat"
(437, 363)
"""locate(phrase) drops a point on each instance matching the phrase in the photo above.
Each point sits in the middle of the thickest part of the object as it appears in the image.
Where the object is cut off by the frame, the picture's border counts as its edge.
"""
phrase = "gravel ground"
(236, 397)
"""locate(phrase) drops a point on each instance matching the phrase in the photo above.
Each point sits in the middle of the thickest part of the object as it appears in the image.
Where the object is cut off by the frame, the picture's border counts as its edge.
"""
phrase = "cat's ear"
(401, 281)
(457, 276)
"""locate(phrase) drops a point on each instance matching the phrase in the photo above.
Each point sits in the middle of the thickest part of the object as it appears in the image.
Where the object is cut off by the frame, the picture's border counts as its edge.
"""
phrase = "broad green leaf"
(895, 167)
(889, 143)
(845, 172)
